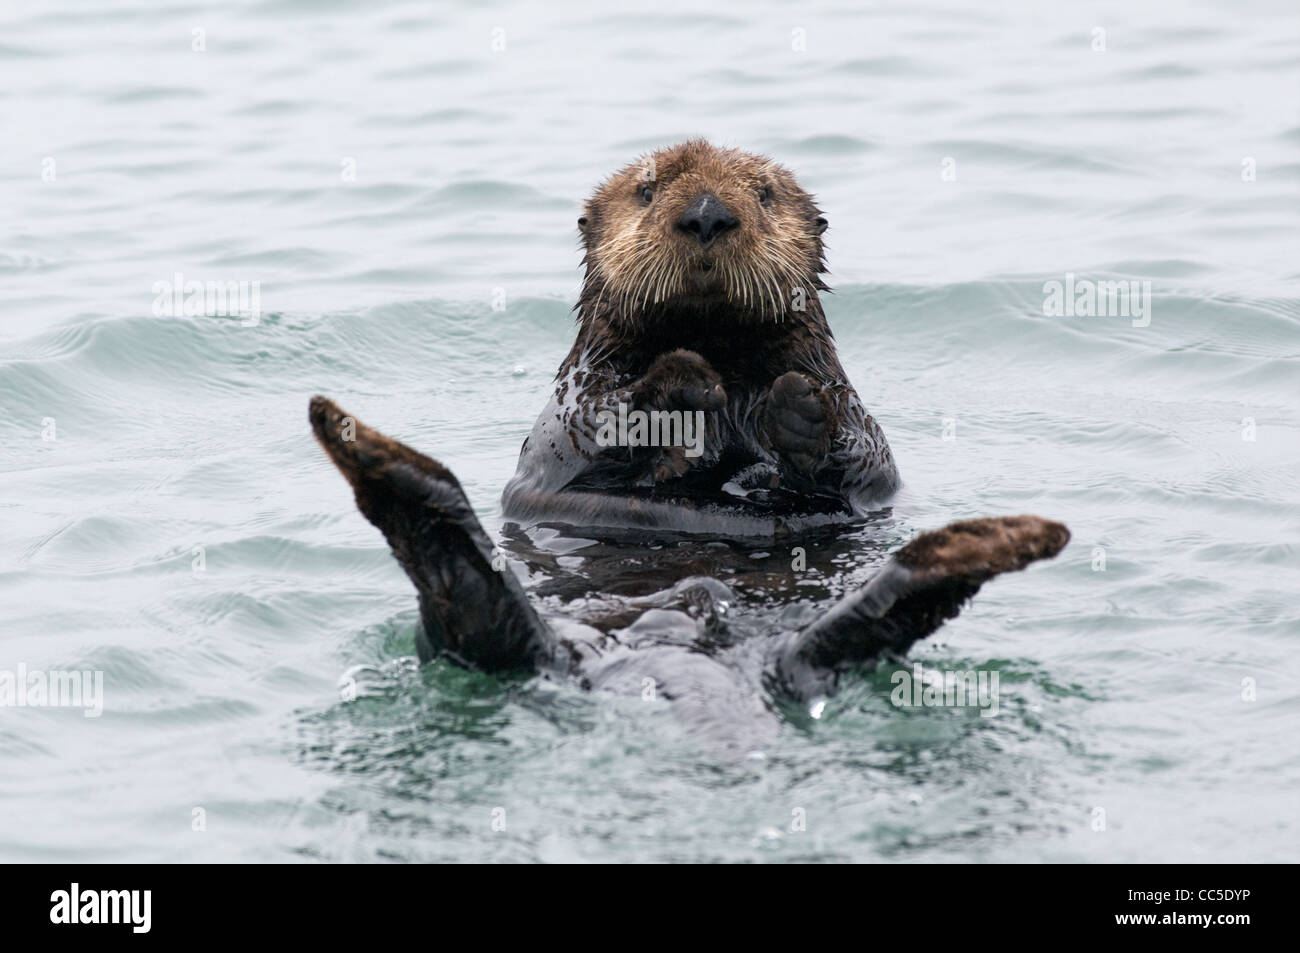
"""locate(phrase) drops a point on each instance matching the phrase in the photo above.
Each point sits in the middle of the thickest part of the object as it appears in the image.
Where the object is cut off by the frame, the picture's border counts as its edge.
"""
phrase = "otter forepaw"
(681, 380)
(797, 422)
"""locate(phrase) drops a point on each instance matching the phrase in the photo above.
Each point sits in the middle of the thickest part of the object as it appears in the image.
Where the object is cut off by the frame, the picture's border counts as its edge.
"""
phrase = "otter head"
(694, 228)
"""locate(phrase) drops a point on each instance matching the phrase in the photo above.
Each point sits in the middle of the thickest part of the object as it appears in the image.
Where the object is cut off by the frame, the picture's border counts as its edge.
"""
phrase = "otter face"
(694, 226)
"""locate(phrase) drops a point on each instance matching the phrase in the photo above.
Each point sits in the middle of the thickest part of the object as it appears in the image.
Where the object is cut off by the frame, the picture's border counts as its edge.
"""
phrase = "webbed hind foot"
(469, 610)
(921, 586)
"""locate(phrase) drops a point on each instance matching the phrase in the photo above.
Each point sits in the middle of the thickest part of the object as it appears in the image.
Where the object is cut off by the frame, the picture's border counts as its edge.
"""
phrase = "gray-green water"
(127, 156)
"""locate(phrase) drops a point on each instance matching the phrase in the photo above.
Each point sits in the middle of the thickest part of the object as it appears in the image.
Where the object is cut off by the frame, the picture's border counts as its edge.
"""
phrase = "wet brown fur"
(731, 327)
(638, 260)
(646, 289)
(981, 548)
(671, 306)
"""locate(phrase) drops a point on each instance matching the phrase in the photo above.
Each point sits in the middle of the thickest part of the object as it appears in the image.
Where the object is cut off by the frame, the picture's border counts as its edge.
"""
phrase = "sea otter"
(703, 268)
(700, 298)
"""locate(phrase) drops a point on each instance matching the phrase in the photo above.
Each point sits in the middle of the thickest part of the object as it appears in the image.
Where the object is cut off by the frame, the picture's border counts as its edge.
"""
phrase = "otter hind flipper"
(469, 610)
(921, 586)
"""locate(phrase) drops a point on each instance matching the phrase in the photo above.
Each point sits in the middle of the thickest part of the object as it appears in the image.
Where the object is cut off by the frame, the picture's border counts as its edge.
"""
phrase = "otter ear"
(819, 225)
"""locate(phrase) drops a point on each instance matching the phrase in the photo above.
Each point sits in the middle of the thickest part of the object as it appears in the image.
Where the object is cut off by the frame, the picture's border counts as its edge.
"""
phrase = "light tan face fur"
(645, 250)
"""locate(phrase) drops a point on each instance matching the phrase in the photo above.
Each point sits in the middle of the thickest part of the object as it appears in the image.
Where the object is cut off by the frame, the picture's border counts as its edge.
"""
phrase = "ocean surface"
(401, 180)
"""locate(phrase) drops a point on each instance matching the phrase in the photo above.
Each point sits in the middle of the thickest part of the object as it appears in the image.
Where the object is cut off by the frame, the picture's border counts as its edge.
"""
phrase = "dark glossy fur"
(689, 303)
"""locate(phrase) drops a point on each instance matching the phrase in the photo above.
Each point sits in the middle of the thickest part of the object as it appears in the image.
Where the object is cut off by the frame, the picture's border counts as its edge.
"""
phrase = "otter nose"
(707, 218)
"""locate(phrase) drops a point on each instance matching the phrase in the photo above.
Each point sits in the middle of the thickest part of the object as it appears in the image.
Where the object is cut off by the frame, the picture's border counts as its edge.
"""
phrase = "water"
(1121, 689)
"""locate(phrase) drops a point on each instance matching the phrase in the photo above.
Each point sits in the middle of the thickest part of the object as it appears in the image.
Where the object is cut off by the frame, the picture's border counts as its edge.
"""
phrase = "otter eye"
(764, 194)
(647, 194)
